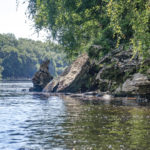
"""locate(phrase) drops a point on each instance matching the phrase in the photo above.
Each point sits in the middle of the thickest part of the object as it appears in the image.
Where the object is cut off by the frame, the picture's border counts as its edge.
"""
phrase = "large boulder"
(73, 79)
(41, 77)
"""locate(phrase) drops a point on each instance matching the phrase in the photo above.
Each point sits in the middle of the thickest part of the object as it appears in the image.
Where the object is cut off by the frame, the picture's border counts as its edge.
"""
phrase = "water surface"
(35, 121)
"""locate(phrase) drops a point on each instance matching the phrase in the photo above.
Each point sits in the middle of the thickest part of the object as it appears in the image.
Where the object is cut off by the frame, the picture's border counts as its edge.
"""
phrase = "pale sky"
(13, 20)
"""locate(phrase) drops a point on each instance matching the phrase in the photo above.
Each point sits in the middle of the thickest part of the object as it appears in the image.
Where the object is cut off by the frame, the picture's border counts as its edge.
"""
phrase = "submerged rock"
(41, 77)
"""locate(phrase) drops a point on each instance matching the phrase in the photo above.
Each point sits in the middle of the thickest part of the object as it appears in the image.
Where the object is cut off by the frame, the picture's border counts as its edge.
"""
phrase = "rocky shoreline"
(119, 73)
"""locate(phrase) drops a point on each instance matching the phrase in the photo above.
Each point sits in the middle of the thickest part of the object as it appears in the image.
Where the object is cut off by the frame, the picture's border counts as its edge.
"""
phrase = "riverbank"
(119, 73)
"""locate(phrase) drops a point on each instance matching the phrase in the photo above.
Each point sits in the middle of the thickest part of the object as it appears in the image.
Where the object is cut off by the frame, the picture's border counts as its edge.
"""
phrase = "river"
(33, 121)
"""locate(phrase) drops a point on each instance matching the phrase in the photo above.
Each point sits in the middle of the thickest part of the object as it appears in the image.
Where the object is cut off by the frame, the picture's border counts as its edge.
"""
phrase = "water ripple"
(33, 121)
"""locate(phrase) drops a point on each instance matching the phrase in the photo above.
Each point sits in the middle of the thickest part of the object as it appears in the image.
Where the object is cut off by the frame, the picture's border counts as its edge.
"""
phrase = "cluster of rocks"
(122, 73)
(117, 73)
(73, 77)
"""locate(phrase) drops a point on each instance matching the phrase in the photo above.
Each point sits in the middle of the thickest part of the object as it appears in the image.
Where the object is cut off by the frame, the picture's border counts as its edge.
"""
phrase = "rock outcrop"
(115, 68)
(41, 77)
(121, 73)
(73, 79)
(117, 73)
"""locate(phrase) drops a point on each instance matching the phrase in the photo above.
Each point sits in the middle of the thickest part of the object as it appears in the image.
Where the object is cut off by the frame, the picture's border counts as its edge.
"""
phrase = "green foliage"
(21, 58)
(130, 20)
(78, 24)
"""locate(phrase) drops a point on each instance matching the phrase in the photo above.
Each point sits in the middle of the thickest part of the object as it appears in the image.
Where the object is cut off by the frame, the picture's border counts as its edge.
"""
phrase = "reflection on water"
(35, 121)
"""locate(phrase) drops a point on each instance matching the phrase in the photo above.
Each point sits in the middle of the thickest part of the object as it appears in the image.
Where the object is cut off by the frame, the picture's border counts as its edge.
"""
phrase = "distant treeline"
(21, 58)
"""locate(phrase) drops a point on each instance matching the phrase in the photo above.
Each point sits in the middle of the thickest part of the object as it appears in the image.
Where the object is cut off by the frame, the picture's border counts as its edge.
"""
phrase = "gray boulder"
(138, 84)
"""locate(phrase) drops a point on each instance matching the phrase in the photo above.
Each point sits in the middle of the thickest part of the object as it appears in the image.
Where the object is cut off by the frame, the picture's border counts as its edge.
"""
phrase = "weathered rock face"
(73, 79)
(41, 77)
(119, 74)
(114, 69)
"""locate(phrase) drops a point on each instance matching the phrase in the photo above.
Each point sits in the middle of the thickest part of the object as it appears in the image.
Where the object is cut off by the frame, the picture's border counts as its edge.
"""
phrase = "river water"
(33, 121)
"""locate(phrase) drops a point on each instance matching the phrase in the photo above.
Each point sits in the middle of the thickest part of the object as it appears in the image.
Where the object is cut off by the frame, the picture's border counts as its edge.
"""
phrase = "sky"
(13, 20)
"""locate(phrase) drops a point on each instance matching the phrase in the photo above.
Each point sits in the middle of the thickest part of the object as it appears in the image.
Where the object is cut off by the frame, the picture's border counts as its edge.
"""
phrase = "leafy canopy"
(78, 24)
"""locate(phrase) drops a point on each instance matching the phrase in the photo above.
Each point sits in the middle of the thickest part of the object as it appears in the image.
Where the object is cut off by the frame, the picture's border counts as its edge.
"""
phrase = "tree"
(78, 24)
